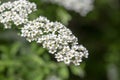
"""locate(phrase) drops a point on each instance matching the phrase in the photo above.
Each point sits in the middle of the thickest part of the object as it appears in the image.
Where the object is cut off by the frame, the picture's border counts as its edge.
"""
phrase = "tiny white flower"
(76, 63)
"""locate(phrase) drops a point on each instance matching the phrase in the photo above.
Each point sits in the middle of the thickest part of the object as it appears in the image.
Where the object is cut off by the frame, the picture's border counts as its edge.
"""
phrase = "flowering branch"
(53, 36)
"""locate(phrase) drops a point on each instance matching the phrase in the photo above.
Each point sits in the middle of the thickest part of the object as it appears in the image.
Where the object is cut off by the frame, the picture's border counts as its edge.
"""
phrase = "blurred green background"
(99, 32)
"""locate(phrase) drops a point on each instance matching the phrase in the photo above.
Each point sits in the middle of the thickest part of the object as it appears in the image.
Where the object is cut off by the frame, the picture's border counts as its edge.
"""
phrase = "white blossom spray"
(53, 36)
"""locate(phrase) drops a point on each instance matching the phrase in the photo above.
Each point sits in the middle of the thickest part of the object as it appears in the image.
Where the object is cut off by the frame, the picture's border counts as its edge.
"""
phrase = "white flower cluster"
(53, 36)
(16, 12)
(80, 6)
(58, 39)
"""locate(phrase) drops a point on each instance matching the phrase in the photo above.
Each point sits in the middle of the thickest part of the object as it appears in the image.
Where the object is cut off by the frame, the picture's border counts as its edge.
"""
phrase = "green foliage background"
(99, 31)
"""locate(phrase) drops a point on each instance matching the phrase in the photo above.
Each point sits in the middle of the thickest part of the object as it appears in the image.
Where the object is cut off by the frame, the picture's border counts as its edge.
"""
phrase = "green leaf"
(63, 16)
(4, 49)
(37, 59)
(15, 48)
(77, 71)
(63, 72)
